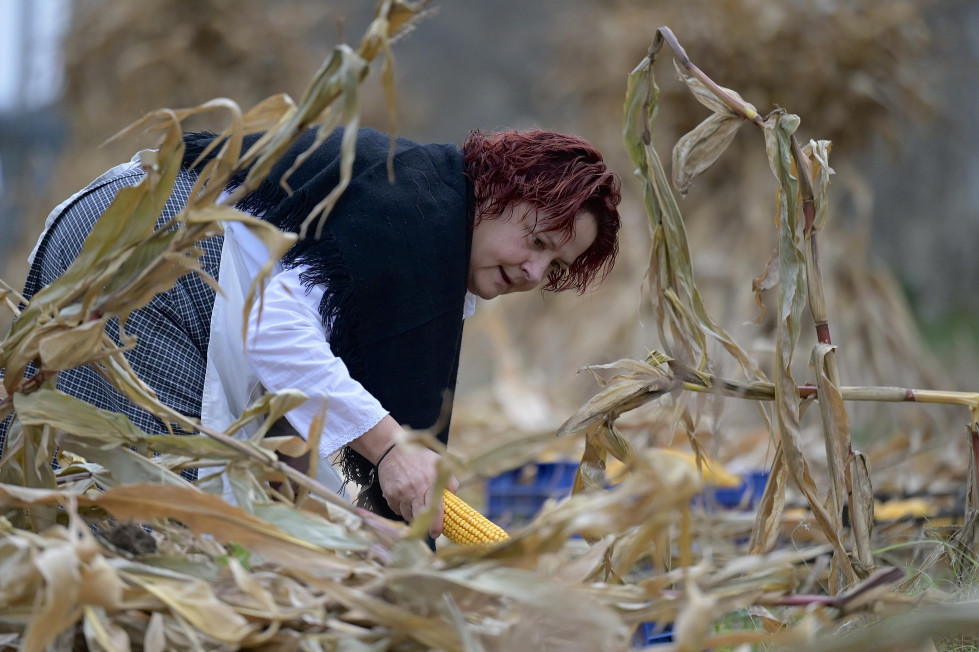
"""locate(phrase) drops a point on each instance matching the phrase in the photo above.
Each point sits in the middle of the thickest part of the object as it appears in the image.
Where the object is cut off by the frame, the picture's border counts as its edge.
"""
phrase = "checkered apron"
(172, 331)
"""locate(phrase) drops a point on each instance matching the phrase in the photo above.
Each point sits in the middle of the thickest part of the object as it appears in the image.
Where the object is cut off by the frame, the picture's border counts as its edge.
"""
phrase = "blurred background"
(890, 84)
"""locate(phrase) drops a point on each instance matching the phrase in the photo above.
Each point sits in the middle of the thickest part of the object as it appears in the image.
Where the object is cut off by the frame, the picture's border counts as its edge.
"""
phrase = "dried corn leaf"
(337, 79)
(275, 405)
(309, 527)
(626, 391)
(768, 521)
(67, 349)
(207, 514)
(155, 639)
(699, 149)
(670, 273)
(591, 470)
(697, 614)
(792, 296)
(100, 585)
(101, 632)
(193, 600)
(862, 508)
(19, 581)
(122, 466)
(836, 431)
(429, 631)
(51, 407)
(712, 99)
(817, 153)
(57, 602)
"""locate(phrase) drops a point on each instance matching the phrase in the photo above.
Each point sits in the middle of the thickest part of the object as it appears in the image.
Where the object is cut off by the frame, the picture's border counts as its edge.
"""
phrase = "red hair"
(561, 176)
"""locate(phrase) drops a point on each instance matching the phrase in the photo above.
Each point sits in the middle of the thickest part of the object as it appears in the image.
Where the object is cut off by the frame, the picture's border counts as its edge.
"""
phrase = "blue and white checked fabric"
(172, 331)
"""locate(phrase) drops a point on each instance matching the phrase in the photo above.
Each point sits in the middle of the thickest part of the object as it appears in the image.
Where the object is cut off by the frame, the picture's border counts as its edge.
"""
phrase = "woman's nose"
(535, 269)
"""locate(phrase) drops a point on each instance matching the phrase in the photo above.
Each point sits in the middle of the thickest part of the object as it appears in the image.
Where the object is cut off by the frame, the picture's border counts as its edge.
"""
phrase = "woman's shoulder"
(380, 143)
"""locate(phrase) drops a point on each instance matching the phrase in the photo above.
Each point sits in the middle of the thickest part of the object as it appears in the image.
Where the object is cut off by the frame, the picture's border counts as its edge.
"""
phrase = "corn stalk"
(802, 174)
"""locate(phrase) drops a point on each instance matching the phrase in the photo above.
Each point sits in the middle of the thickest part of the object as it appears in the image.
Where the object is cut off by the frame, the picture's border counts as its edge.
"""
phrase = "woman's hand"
(407, 476)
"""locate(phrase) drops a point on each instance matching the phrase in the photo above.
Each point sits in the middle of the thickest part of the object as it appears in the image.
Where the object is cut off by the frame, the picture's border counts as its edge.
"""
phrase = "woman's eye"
(538, 242)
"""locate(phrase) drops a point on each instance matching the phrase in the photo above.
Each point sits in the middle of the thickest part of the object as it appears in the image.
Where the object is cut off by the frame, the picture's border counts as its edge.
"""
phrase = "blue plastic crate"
(652, 633)
(517, 495)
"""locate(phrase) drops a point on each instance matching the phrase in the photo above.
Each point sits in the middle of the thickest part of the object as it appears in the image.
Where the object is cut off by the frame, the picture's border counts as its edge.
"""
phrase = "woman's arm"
(287, 347)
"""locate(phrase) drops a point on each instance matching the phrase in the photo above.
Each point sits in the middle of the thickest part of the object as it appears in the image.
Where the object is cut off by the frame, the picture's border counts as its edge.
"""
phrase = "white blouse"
(286, 347)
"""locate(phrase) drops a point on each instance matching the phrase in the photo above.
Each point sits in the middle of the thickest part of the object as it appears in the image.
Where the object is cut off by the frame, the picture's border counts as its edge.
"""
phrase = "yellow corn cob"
(465, 526)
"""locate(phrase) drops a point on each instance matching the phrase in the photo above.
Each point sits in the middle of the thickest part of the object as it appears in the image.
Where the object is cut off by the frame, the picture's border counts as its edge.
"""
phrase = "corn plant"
(802, 174)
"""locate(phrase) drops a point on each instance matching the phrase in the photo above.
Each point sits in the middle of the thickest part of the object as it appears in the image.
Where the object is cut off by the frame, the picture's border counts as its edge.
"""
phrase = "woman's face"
(509, 253)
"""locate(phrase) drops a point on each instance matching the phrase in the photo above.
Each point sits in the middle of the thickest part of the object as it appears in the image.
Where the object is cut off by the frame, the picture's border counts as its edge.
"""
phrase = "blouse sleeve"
(287, 348)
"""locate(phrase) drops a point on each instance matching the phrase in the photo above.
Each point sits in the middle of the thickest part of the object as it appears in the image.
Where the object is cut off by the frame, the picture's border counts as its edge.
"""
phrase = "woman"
(367, 319)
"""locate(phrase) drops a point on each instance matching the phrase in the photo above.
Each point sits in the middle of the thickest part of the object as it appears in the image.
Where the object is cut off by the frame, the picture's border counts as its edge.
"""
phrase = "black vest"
(394, 260)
